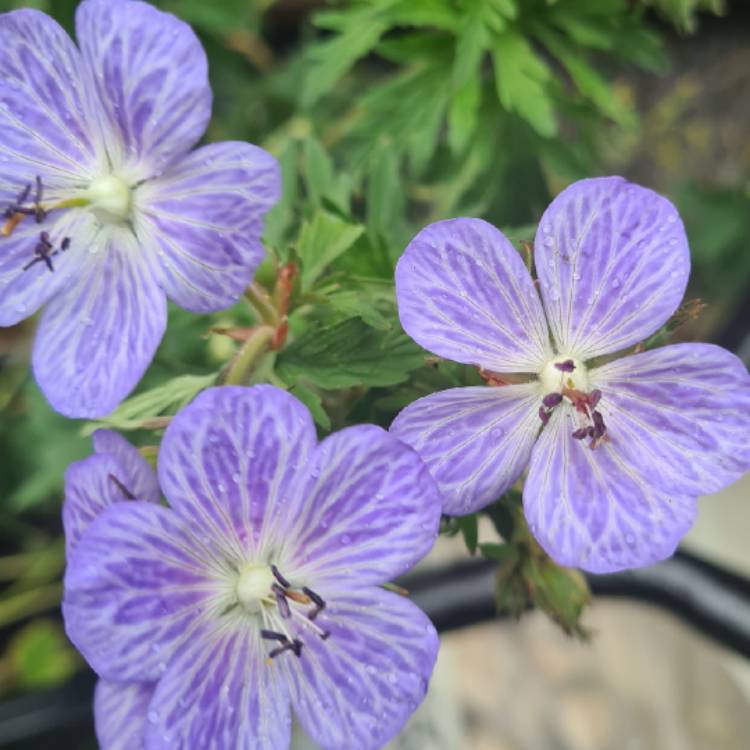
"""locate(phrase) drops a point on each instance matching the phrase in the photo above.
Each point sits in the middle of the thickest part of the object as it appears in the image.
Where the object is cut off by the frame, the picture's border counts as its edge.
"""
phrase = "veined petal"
(475, 441)
(613, 262)
(681, 413)
(367, 512)
(204, 219)
(141, 478)
(136, 587)
(464, 293)
(229, 461)
(96, 338)
(26, 280)
(151, 75)
(120, 710)
(592, 509)
(357, 688)
(219, 693)
(91, 485)
(46, 107)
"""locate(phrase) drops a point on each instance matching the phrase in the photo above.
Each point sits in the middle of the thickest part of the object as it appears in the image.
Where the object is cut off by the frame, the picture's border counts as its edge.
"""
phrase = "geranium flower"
(106, 211)
(116, 473)
(257, 590)
(617, 451)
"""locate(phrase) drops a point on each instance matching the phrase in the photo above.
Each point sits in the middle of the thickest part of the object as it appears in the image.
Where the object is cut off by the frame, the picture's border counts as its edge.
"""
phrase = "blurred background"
(386, 115)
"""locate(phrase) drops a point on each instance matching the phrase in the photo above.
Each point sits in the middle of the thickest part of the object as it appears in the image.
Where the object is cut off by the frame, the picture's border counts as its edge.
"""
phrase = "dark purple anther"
(552, 399)
(318, 601)
(280, 578)
(272, 635)
(294, 645)
(281, 601)
(120, 486)
(65, 244)
(581, 433)
(594, 397)
(567, 366)
(599, 427)
(543, 415)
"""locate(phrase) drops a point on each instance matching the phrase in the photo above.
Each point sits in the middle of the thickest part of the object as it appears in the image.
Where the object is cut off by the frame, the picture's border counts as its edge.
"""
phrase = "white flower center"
(109, 197)
(564, 372)
(253, 586)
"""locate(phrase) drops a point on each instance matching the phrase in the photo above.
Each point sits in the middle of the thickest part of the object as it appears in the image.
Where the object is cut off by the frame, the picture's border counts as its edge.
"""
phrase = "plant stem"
(262, 304)
(239, 369)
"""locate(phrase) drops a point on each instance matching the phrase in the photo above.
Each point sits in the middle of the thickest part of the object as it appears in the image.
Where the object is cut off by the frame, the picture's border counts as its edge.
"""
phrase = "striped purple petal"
(96, 338)
(613, 262)
(141, 477)
(357, 688)
(203, 218)
(367, 512)
(26, 281)
(46, 107)
(120, 710)
(229, 462)
(91, 485)
(135, 589)
(464, 293)
(219, 693)
(593, 509)
(680, 415)
(151, 76)
(475, 441)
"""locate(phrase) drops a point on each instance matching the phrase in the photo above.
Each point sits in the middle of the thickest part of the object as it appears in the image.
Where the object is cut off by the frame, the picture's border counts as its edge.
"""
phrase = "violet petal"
(613, 262)
(120, 710)
(464, 293)
(475, 441)
(375, 667)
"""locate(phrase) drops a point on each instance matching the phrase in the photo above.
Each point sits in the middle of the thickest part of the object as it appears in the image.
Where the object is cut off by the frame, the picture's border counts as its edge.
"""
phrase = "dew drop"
(153, 717)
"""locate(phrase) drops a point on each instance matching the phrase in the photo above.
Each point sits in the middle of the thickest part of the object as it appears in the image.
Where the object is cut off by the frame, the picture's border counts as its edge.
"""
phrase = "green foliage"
(384, 115)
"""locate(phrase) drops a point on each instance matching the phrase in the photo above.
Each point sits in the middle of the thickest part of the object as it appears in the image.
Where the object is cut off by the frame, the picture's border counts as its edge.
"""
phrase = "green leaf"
(138, 411)
(281, 216)
(469, 526)
(40, 655)
(500, 552)
(385, 198)
(350, 353)
(313, 402)
(521, 79)
(587, 80)
(318, 171)
(463, 115)
(321, 241)
(357, 303)
(358, 32)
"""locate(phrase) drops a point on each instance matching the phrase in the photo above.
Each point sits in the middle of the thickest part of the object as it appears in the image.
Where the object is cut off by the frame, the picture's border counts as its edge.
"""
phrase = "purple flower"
(107, 212)
(615, 466)
(258, 591)
(115, 473)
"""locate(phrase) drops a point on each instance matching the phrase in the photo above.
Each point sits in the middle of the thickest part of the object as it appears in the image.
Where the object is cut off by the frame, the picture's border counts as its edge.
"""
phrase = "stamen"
(552, 399)
(125, 491)
(544, 415)
(280, 578)
(594, 397)
(318, 601)
(581, 433)
(295, 645)
(281, 601)
(599, 427)
(567, 366)
(273, 635)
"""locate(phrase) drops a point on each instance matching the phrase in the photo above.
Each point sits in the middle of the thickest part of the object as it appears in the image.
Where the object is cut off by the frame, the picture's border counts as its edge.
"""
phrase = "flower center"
(564, 372)
(253, 586)
(284, 610)
(109, 198)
